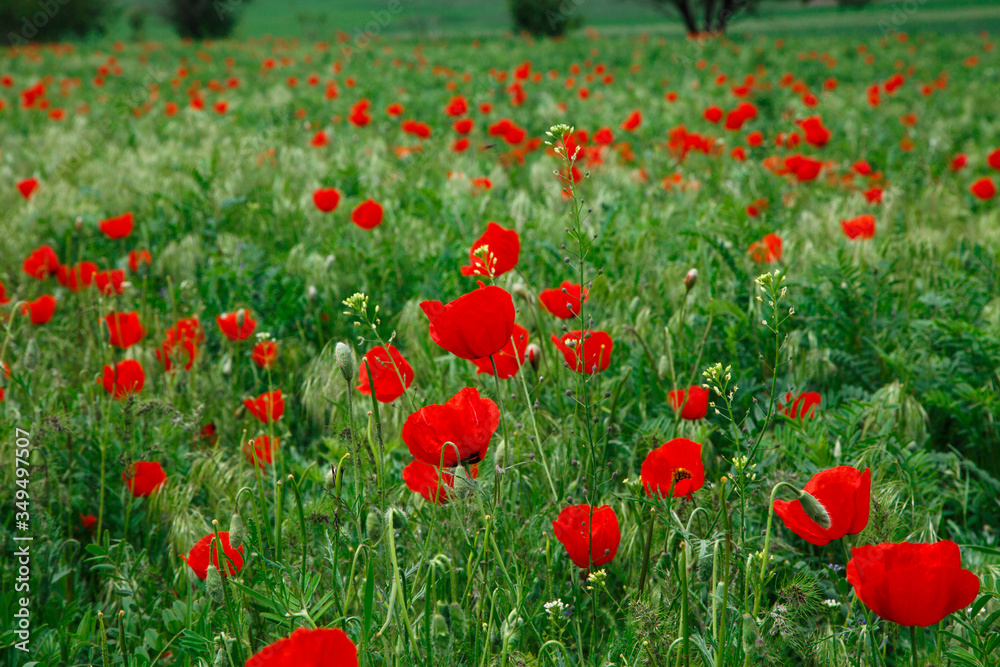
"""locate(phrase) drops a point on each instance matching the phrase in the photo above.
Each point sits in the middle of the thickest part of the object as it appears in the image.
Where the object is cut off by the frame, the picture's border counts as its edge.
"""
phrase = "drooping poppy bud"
(345, 360)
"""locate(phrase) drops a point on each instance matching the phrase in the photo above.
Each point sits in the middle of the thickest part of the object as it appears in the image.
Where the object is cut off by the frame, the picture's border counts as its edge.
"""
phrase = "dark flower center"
(680, 474)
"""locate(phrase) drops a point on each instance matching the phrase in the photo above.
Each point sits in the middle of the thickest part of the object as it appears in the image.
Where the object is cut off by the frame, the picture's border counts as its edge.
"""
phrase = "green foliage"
(545, 18)
(203, 19)
(25, 21)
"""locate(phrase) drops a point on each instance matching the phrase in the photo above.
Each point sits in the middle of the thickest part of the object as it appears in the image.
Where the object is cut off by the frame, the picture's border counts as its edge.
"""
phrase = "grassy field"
(800, 233)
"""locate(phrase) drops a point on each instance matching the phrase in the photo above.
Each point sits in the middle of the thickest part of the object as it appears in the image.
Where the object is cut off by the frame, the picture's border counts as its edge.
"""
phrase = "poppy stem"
(538, 440)
(721, 636)
(503, 425)
(646, 549)
(759, 593)
(913, 646)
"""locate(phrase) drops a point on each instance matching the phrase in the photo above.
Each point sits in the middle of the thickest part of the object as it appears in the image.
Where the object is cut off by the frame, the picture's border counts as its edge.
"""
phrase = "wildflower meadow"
(608, 350)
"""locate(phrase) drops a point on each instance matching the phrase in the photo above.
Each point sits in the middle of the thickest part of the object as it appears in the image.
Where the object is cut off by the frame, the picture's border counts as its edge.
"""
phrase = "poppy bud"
(227, 365)
(311, 293)
(691, 279)
(236, 530)
(30, 358)
(456, 616)
(439, 629)
(373, 524)
(345, 360)
(814, 510)
(534, 353)
(398, 518)
(78, 224)
(241, 316)
(220, 659)
(329, 480)
(500, 453)
(213, 582)
(749, 633)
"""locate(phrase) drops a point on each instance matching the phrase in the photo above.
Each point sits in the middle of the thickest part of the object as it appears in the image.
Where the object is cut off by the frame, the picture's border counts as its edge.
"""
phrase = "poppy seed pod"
(236, 530)
(691, 279)
(814, 510)
(345, 360)
(30, 358)
(213, 582)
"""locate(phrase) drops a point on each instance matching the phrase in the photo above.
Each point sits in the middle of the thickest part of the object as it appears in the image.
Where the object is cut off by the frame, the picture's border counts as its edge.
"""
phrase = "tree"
(701, 16)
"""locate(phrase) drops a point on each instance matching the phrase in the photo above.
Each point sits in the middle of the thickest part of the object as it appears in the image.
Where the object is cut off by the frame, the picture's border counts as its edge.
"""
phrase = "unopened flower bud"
(456, 616)
(345, 360)
(500, 454)
(30, 358)
(236, 530)
(311, 293)
(533, 353)
(814, 510)
(691, 279)
(439, 629)
(213, 582)
(663, 366)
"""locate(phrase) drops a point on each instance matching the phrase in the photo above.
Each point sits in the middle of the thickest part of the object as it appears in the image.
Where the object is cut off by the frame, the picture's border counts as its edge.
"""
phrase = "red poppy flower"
(367, 214)
(504, 249)
(815, 132)
(323, 647)
(41, 309)
(145, 478)
(463, 126)
(263, 448)
(802, 407)
(590, 535)
(4, 299)
(874, 195)
(127, 377)
(319, 139)
(208, 548)
(326, 199)
(676, 463)
(264, 353)
(27, 187)
(862, 167)
(124, 329)
(75, 278)
(862, 226)
(268, 407)
(111, 282)
(993, 159)
(984, 188)
(88, 521)
(238, 325)
(845, 494)
(563, 302)
(458, 106)
(424, 479)
(41, 263)
(712, 114)
(392, 374)
(767, 250)
(959, 162)
(466, 423)
(507, 363)
(633, 121)
(184, 336)
(394, 110)
(692, 403)
(595, 354)
(604, 136)
(137, 258)
(473, 326)
(460, 145)
(117, 228)
(912, 584)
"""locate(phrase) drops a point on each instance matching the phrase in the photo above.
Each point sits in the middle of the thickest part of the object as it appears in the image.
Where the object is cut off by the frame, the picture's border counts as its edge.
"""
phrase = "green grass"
(899, 334)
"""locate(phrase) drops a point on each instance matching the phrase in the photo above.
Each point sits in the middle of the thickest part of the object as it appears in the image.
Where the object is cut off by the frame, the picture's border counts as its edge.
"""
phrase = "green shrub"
(203, 19)
(550, 18)
(25, 21)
